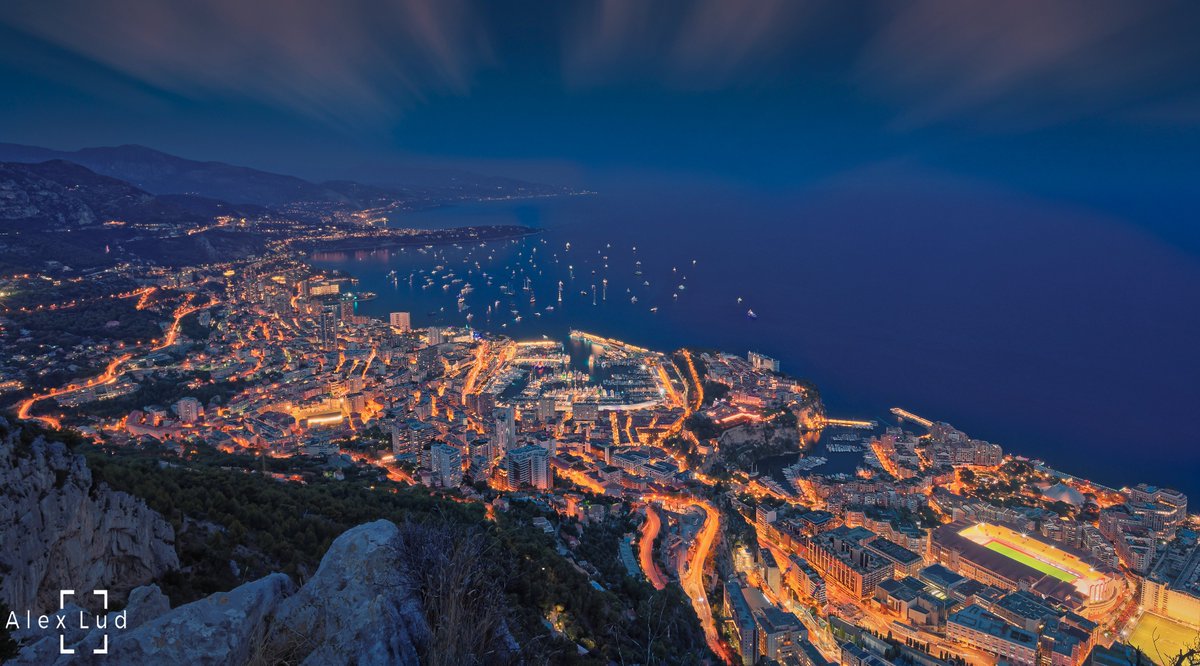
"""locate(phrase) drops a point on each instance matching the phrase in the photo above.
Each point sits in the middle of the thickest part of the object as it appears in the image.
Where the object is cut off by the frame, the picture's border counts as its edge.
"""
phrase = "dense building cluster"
(937, 548)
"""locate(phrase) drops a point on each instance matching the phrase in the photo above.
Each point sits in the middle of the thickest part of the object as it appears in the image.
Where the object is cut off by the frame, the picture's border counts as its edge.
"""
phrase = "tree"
(1188, 656)
(8, 646)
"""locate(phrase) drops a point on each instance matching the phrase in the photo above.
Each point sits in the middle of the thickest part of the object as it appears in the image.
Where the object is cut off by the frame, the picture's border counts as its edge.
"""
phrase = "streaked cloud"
(1026, 63)
(706, 44)
(1016, 64)
(348, 62)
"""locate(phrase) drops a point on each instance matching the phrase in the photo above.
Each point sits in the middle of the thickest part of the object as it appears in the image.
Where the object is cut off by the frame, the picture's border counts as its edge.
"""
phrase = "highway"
(650, 530)
(691, 577)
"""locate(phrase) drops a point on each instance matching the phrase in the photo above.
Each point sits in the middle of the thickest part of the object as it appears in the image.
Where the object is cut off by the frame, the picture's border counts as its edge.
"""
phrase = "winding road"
(111, 372)
(691, 576)
(650, 530)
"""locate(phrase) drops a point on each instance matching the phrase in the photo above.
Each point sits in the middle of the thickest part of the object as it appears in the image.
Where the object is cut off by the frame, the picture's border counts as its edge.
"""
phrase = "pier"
(904, 414)
(849, 423)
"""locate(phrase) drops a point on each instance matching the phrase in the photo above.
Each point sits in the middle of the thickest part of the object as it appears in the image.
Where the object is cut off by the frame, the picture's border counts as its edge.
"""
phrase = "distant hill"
(58, 195)
(160, 173)
(157, 172)
(56, 211)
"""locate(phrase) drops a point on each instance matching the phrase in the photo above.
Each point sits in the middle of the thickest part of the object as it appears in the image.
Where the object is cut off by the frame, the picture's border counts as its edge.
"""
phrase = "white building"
(506, 429)
(400, 321)
(528, 466)
(763, 362)
(189, 410)
(445, 461)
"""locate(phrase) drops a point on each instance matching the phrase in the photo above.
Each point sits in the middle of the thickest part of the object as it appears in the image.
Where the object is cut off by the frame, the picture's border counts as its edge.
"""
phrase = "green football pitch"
(1048, 569)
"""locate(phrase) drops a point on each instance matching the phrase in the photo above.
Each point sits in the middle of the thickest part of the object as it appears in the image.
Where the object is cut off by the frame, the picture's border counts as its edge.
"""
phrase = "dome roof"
(1060, 492)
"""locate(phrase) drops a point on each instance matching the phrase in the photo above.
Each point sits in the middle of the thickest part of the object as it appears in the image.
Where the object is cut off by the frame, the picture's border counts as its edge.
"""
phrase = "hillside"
(450, 586)
(161, 173)
(62, 212)
(60, 196)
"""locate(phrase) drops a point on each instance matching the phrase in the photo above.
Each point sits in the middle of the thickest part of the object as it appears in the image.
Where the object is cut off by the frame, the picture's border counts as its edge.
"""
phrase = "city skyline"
(679, 333)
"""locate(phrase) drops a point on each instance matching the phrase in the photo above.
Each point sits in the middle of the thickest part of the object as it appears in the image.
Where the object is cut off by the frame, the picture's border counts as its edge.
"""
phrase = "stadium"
(1000, 556)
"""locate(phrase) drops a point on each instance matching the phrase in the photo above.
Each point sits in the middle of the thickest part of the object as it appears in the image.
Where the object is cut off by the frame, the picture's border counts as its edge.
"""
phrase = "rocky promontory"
(61, 530)
(363, 606)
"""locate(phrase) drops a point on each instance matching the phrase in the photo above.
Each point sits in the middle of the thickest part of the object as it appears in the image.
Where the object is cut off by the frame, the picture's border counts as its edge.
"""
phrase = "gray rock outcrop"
(359, 608)
(59, 530)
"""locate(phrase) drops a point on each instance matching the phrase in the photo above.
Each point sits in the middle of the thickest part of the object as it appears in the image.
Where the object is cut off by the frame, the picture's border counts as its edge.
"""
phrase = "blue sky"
(1011, 186)
(1097, 102)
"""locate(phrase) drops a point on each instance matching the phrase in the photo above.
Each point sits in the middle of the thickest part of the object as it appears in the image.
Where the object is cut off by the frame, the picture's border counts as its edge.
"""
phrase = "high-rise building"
(188, 410)
(779, 633)
(976, 627)
(506, 429)
(446, 463)
(409, 437)
(482, 454)
(435, 335)
(545, 409)
(842, 558)
(743, 629)
(804, 581)
(528, 466)
(400, 321)
(327, 327)
(355, 403)
(1163, 509)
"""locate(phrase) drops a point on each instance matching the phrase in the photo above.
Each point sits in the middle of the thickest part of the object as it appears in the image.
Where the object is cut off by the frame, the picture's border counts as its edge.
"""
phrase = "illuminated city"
(412, 414)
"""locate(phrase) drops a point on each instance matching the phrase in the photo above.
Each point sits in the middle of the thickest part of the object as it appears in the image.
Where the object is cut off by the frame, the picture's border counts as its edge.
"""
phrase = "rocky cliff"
(59, 530)
(363, 606)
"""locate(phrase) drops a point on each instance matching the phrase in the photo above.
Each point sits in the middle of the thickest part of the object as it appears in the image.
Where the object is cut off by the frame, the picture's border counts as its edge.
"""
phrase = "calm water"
(1057, 333)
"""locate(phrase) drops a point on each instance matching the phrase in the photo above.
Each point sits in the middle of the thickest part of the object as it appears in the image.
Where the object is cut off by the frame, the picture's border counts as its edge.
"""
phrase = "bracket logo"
(99, 621)
(87, 622)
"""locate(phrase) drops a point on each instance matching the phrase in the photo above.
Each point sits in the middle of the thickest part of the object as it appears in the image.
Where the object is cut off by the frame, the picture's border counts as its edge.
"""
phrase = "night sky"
(1098, 101)
(1026, 171)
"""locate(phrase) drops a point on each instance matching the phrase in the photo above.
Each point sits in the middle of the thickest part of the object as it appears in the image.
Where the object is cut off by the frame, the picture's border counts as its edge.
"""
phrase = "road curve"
(650, 530)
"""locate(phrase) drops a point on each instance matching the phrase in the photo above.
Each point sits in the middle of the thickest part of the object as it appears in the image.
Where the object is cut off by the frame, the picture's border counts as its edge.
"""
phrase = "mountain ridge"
(162, 173)
(62, 195)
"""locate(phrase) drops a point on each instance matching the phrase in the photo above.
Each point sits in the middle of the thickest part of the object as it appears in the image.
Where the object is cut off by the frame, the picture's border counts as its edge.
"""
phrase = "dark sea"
(1057, 332)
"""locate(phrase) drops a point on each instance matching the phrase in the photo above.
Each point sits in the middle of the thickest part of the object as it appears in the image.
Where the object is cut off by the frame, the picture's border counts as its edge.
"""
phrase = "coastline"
(423, 237)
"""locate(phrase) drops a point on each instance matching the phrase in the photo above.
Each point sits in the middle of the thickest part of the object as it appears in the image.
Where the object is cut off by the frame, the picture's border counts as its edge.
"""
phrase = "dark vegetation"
(702, 426)
(714, 391)
(454, 569)
(62, 329)
(33, 292)
(161, 391)
(226, 510)
(8, 646)
(627, 622)
(191, 327)
(212, 246)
